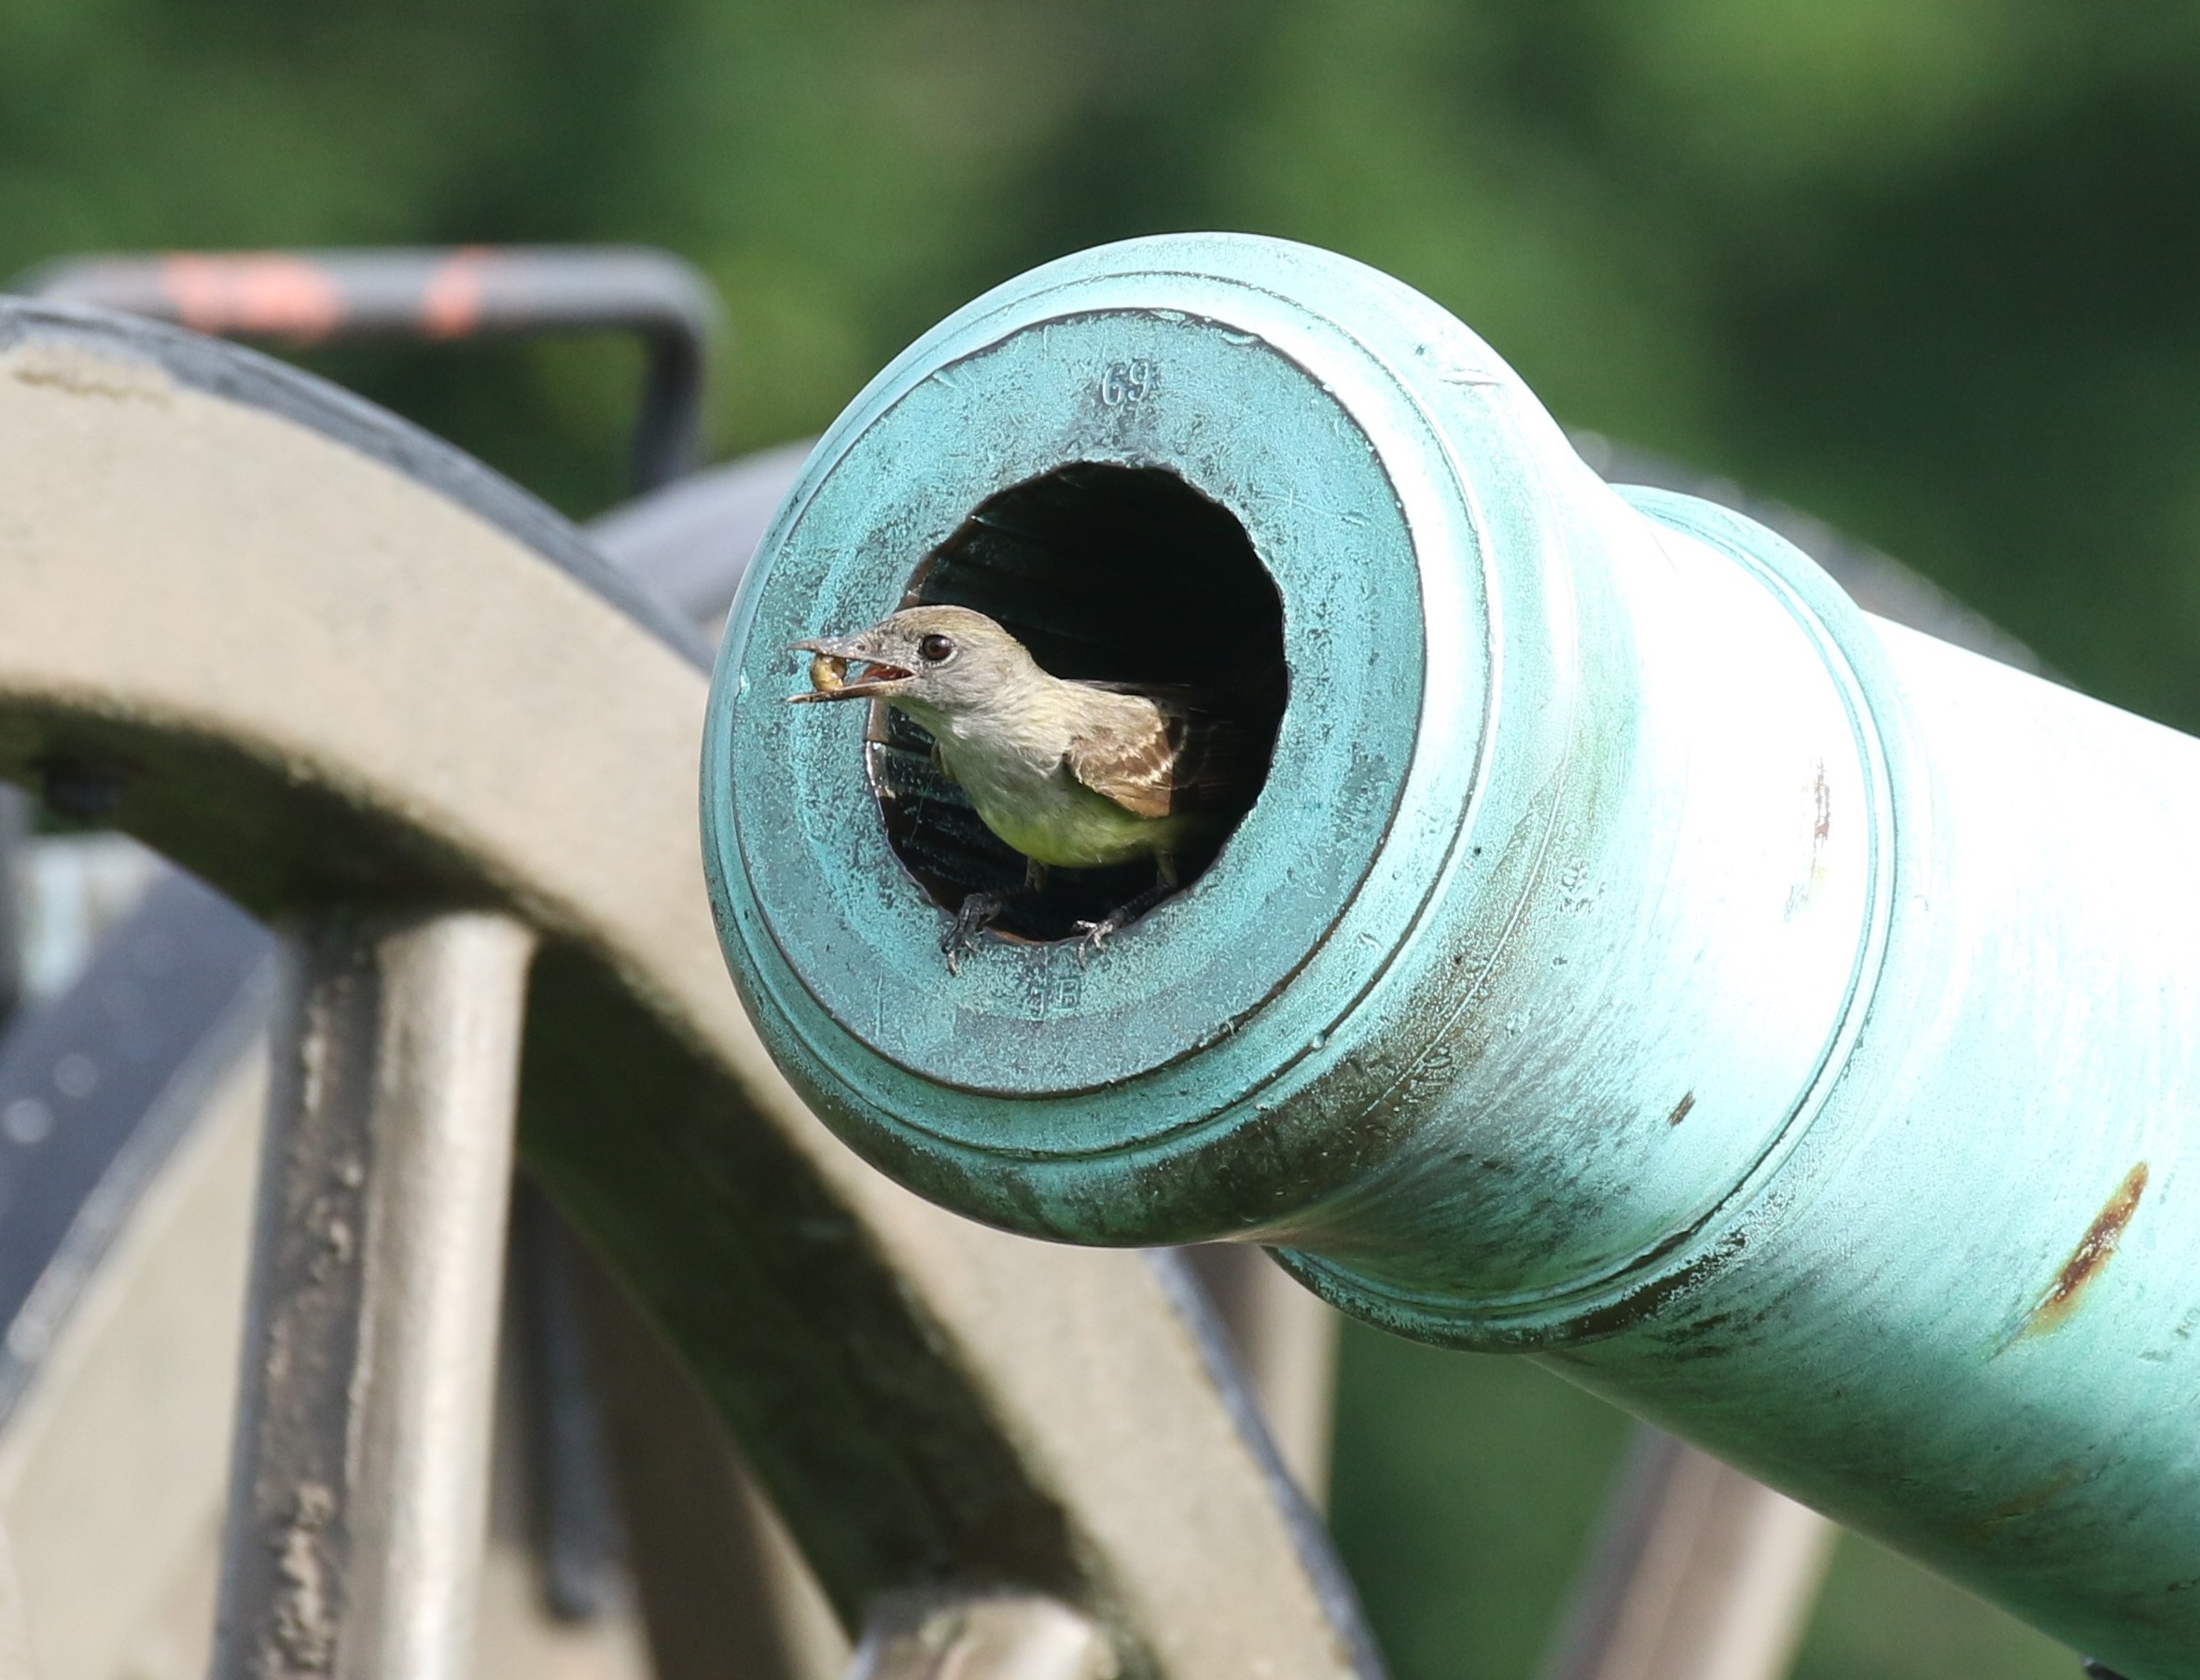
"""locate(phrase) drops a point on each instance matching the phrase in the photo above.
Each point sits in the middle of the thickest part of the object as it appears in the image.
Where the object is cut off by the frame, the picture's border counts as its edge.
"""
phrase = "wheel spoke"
(356, 1516)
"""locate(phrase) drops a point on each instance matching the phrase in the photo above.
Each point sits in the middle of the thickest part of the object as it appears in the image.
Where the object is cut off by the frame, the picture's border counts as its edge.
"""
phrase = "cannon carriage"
(446, 748)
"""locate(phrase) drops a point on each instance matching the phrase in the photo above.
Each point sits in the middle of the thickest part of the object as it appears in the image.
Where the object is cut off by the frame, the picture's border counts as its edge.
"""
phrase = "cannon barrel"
(1779, 1023)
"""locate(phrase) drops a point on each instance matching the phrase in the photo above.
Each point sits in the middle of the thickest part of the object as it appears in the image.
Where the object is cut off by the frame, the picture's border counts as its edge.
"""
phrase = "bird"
(1071, 775)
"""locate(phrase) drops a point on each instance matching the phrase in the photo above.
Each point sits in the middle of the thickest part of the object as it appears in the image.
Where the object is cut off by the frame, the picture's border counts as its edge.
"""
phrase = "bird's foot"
(961, 937)
(1095, 936)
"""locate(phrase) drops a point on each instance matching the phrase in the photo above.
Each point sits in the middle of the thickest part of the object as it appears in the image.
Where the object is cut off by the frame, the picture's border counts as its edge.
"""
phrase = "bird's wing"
(1176, 756)
(1130, 760)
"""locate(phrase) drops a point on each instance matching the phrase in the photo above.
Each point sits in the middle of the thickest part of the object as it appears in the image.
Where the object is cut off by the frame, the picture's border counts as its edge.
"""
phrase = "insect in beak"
(828, 674)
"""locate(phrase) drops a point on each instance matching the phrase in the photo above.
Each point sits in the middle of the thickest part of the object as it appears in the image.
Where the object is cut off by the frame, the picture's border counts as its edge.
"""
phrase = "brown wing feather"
(1130, 765)
(1184, 759)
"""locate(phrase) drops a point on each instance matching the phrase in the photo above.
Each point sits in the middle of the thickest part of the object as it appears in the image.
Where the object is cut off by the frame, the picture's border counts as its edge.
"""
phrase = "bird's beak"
(828, 665)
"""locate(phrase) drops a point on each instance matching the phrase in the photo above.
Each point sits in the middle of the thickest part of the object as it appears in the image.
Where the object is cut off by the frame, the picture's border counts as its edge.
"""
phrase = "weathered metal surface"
(331, 659)
(692, 541)
(1636, 953)
(360, 1474)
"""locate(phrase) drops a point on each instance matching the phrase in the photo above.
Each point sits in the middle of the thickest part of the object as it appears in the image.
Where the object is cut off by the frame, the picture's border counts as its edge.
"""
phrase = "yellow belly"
(1069, 826)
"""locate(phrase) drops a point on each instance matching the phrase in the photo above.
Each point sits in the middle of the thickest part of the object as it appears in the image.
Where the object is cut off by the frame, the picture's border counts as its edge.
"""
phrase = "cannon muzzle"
(1782, 1024)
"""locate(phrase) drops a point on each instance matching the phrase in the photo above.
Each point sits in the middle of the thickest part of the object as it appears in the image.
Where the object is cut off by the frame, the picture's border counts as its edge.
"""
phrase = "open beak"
(830, 658)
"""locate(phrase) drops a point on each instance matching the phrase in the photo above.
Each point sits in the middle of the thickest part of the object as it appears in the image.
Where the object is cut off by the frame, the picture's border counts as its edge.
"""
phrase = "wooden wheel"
(376, 695)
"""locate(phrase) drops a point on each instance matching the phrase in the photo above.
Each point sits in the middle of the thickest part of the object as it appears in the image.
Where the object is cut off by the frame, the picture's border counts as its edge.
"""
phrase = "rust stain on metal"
(1821, 829)
(452, 305)
(267, 293)
(2027, 1504)
(2088, 1257)
(1680, 1109)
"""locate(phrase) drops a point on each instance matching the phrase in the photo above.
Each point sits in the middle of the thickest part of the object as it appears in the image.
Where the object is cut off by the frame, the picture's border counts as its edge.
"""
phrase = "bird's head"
(939, 661)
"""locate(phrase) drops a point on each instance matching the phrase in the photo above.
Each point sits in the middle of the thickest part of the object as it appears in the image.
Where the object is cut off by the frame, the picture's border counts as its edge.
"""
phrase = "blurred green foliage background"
(1923, 267)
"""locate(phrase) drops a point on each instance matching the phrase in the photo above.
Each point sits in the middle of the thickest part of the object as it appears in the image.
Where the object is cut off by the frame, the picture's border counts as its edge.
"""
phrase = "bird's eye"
(935, 650)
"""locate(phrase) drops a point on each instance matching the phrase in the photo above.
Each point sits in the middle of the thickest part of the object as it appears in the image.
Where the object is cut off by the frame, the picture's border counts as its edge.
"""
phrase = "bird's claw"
(1095, 939)
(961, 937)
(958, 942)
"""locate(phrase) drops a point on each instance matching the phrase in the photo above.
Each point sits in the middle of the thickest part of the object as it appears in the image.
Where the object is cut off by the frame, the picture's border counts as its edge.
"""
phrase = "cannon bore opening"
(1108, 574)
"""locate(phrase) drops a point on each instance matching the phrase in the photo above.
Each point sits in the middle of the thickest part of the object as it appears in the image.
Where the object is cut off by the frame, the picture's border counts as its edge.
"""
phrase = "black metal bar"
(580, 1531)
(431, 296)
(15, 825)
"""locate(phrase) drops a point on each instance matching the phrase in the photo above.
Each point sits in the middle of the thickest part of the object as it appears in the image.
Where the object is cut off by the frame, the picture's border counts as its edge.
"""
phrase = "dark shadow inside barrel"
(1108, 574)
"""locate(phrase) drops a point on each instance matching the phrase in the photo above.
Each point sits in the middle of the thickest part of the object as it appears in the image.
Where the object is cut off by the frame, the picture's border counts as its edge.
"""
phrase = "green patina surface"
(1635, 955)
